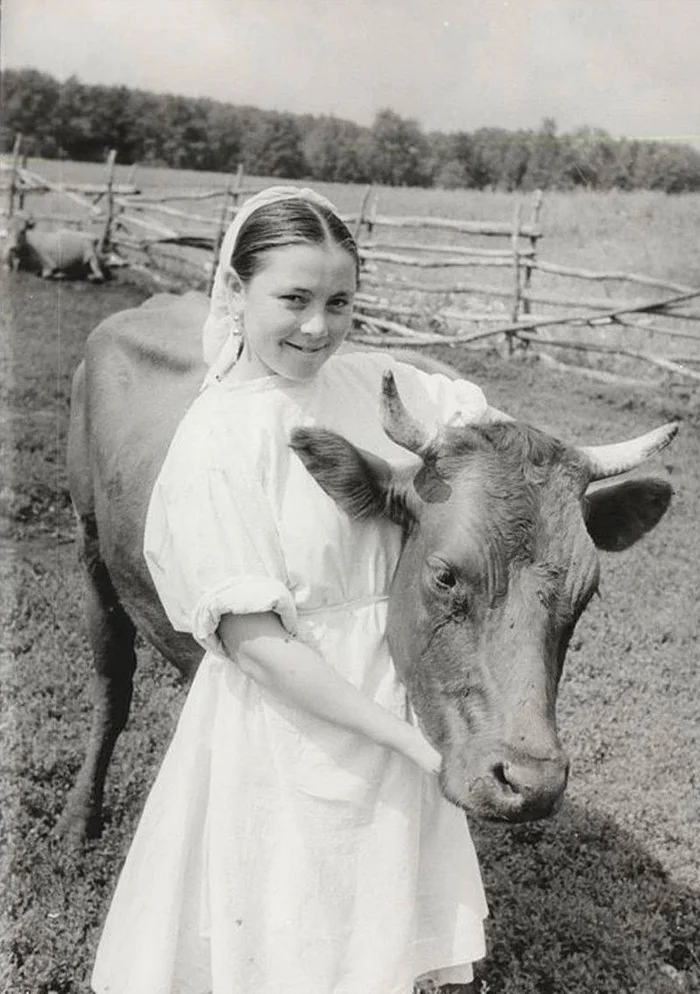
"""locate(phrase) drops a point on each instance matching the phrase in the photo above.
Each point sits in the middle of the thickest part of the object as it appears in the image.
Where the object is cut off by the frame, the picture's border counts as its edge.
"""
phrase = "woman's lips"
(307, 349)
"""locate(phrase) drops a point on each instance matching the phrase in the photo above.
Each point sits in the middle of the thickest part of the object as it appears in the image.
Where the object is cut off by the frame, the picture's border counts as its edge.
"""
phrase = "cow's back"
(142, 369)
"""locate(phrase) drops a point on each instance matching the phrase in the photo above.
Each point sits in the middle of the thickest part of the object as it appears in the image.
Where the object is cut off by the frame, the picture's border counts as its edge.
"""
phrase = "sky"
(631, 67)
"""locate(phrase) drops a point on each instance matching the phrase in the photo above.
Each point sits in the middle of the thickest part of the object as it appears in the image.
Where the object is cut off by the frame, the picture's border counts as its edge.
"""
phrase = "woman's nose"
(314, 324)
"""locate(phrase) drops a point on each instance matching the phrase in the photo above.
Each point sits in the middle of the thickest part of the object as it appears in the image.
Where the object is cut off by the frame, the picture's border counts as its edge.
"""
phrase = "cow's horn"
(400, 426)
(611, 460)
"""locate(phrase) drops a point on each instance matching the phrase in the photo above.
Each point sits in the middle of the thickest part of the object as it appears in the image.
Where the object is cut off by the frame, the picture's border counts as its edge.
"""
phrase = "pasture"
(604, 898)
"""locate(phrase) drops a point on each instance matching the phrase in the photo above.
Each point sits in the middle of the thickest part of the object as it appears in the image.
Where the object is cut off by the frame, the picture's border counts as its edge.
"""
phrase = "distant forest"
(79, 121)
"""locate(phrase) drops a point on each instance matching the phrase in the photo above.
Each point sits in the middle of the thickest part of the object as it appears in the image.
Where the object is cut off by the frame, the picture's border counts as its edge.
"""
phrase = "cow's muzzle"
(527, 789)
(512, 787)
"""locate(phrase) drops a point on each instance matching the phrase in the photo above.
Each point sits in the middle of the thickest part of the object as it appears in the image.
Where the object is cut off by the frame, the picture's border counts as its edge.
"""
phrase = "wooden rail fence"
(408, 295)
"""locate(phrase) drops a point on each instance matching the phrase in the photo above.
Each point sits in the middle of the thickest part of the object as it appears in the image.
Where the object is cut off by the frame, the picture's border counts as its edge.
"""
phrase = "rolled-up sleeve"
(212, 548)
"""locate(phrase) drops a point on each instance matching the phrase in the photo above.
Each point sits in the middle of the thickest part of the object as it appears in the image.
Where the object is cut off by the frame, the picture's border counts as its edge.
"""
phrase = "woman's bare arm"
(295, 672)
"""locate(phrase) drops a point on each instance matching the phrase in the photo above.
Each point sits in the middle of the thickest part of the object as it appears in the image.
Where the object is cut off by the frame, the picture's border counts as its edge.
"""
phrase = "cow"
(501, 523)
(53, 254)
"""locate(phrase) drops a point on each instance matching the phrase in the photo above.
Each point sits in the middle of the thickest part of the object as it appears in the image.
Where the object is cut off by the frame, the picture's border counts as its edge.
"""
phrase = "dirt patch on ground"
(604, 898)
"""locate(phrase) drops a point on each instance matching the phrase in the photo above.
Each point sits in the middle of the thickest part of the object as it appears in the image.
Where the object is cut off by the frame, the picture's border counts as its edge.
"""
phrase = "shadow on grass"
(578, 907)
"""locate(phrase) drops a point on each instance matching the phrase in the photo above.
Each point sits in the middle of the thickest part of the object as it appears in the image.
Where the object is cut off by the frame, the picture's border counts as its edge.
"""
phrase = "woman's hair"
(288, 222)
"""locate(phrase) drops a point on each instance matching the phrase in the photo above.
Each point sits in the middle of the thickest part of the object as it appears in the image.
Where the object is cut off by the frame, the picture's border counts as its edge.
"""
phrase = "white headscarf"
(221, 338)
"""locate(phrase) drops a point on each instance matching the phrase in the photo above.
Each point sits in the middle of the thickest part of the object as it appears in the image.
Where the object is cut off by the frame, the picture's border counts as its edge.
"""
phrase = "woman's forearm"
(295, 672)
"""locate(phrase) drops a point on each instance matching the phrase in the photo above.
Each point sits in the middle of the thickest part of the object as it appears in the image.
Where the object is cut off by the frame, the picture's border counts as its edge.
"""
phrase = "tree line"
(78, 121)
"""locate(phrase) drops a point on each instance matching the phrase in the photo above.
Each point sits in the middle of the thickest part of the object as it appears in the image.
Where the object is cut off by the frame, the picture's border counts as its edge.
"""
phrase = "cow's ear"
(363, 484)
(619, 514)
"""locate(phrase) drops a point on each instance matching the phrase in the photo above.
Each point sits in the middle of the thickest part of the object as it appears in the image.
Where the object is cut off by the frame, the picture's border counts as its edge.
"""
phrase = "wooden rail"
(587, 274)
(192, 195)
(423, 263)
(654, 360)
(446, 249)
(135, 205)
(488, 229)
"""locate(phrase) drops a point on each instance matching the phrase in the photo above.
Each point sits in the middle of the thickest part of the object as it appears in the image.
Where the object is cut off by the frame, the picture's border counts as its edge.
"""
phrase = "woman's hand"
(296, 673)
(417, 748)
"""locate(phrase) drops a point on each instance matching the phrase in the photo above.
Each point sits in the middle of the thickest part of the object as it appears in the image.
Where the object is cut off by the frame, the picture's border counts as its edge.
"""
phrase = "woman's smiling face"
(296, 310)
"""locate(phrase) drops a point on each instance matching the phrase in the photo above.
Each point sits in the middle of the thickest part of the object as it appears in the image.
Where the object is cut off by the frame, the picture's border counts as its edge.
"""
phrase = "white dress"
(278, 853)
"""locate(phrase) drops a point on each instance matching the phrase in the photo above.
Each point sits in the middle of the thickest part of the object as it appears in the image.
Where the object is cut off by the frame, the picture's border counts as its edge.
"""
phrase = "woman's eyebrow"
(299, 288)
(292, 288)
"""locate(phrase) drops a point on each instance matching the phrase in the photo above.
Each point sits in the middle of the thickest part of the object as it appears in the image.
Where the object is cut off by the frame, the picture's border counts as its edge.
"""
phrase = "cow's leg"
(47, 268)
(43, 260)
(49, 272)
(111, 634)
(95, 274)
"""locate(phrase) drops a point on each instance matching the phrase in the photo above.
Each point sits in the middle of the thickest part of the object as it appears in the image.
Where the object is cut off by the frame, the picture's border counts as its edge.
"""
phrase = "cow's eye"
(443, 577)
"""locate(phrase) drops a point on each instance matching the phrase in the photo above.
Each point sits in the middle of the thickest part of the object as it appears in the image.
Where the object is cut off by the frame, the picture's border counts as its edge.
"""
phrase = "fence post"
(12, 189)
(232, 192)
(517, 291)
(22, 192)
(238, 185)
(371, 215)
(361, 216)
(368, 217)
(106, 237)
(534, 220)
(129, 181)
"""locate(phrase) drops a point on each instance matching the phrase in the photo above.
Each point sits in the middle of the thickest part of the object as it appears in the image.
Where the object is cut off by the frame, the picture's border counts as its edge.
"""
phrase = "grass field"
(603, 899)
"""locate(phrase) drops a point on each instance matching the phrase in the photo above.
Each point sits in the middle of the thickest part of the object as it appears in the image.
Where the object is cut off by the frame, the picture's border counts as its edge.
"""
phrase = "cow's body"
(142, 369)
(53, 254)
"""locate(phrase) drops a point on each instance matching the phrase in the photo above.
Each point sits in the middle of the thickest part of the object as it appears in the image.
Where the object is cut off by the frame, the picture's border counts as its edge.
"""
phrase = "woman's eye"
(339, 305)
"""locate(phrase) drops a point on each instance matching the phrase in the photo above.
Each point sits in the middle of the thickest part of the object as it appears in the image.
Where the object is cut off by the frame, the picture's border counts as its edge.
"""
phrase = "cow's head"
(499, 560)
(20, 223)
(15, 238)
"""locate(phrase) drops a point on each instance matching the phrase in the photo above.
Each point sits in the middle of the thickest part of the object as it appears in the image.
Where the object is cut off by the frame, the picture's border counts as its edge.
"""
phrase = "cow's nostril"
(521, 787)
(534, 777)
(499, 775)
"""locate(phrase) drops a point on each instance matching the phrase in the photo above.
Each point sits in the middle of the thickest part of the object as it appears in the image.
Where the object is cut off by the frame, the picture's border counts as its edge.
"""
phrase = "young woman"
(295, 840)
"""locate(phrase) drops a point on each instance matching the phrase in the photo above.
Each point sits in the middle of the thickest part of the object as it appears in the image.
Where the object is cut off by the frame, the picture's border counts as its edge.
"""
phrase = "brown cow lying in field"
(53, 254)
(499, 559)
